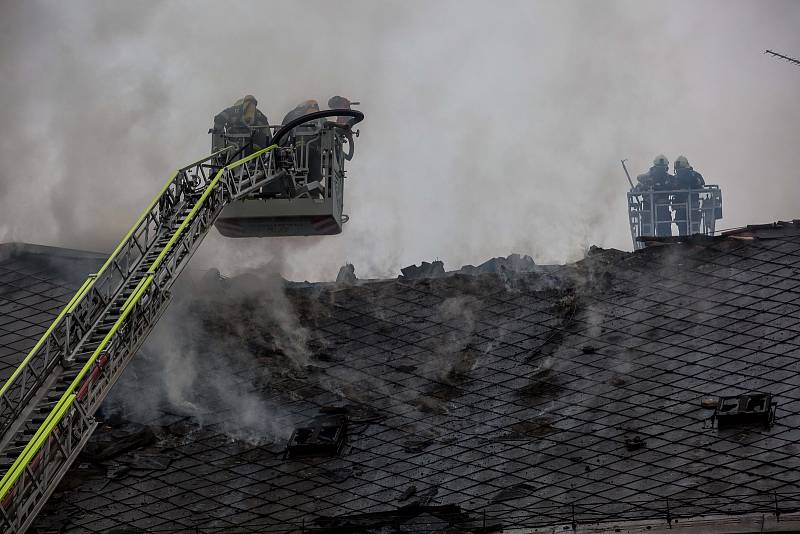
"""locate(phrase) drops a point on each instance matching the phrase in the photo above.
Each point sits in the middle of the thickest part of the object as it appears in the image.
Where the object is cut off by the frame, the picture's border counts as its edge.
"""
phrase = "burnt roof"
(500, 399)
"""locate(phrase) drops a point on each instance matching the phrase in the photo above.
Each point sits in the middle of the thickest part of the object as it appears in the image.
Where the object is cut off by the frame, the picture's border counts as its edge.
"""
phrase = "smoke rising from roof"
(490, 127)
(213, 352)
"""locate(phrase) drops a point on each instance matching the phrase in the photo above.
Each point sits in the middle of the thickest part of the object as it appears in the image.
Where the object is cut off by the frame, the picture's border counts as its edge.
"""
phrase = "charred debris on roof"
(559, 373)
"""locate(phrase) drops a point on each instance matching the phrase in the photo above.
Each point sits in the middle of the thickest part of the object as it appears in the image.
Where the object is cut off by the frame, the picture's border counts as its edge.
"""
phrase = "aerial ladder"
(47, 406)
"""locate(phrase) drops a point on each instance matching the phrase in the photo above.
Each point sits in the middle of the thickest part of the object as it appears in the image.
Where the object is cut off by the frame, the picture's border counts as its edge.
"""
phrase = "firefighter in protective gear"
(340, 102)
(314, 155)
(657, 178)
(685, 175)
(686, 178)
(241, 124)
(303, 108)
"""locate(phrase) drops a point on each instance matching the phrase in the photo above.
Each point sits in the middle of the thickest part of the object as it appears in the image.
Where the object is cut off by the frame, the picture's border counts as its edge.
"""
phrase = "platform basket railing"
(326, 140)
(664, 213)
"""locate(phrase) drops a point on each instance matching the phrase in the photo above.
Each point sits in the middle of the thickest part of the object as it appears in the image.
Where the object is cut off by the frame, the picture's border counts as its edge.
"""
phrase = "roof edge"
(712, 524)
(16, 248)
(750, 228)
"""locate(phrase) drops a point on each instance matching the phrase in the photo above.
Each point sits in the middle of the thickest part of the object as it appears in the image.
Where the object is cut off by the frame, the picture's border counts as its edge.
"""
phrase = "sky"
(491, 127)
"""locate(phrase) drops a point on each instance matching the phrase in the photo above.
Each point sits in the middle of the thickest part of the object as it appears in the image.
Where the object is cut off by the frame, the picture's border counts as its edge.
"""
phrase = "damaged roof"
(473, 402)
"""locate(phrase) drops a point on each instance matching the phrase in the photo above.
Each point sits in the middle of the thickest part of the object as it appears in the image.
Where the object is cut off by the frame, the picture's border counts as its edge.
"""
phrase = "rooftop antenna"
(787, 58)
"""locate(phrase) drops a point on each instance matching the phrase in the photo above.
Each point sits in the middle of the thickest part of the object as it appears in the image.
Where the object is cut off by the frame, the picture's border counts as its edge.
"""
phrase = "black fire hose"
(291, 125)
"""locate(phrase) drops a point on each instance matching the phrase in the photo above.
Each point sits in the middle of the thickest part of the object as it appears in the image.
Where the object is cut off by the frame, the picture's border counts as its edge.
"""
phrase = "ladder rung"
(67, 379)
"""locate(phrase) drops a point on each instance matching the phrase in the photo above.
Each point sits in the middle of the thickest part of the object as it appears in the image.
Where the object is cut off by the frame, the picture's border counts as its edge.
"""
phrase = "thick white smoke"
(491, 127)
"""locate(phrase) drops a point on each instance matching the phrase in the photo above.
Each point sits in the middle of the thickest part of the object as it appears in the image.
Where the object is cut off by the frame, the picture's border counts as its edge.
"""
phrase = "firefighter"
(657, 178)
(314, 155)
(340, 102)
(242, 119)
(686, 178)
(304, 108)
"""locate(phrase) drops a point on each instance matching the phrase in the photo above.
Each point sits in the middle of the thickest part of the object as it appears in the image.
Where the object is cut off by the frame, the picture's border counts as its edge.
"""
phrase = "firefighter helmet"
(338, 102)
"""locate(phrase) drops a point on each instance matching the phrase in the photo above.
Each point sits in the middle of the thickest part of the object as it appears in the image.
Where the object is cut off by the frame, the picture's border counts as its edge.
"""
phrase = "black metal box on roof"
(325, 436)
(747, 409)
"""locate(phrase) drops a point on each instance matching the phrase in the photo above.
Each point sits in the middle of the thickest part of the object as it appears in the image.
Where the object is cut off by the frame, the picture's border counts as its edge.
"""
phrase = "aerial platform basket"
(677, 212)
(310, 201)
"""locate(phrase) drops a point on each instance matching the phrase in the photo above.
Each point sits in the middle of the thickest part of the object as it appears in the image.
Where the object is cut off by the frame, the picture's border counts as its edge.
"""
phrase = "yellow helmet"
(249, 104)
(247, 99)
(661, 161)
(309, 106)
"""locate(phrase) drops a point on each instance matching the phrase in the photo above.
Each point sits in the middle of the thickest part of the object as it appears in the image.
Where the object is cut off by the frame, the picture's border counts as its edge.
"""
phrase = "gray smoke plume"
(491, 127)
(451, 355)
(212, 356)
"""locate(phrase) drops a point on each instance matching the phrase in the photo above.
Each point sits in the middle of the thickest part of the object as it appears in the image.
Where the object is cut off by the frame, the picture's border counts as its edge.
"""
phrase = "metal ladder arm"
(45, 459)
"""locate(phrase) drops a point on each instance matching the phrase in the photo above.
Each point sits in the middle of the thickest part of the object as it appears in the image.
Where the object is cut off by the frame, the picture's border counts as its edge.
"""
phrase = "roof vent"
(325, 436)
(747, 409)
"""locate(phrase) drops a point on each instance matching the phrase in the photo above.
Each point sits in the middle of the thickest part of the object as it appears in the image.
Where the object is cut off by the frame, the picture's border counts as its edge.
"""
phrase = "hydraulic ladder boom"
(47, 405)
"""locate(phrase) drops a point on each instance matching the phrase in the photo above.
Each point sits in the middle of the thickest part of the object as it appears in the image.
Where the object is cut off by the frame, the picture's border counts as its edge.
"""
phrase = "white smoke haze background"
(491, 127)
